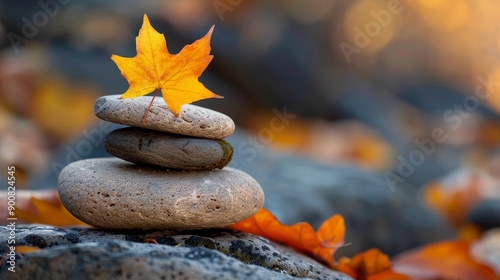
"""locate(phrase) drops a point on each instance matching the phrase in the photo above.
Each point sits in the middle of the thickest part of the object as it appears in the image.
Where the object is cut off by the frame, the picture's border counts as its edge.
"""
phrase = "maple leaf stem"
(150, 103)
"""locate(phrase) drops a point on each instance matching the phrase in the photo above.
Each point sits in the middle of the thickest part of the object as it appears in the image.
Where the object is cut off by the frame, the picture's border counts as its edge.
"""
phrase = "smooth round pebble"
(115, 194)
(168, 150)
(192, 121)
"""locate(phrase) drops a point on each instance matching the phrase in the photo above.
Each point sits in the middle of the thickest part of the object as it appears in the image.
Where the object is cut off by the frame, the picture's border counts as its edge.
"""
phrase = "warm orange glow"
(309, 11)
(446, 15)
(370, 26)
(494, 97)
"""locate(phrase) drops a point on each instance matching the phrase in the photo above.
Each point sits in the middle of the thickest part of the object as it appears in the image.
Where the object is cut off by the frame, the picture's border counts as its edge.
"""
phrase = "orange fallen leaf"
(25, 249)
(369, 265)
(47, 212)
(301, 236)
(23, 200)
(155, 68)
(454, 201)
(443, 260)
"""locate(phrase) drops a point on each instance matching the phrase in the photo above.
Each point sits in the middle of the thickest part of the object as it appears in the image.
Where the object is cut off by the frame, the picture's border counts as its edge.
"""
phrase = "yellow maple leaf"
(155, 68)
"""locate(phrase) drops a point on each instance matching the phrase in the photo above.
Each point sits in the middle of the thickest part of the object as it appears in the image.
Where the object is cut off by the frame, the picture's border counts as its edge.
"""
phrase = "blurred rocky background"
(383, 110)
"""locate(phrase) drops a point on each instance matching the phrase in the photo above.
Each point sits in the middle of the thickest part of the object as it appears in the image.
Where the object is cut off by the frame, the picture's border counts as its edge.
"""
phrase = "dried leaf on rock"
(301, 236)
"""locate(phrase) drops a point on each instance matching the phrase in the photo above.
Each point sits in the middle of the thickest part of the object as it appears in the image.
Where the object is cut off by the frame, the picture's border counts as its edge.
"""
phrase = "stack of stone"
(171, 174)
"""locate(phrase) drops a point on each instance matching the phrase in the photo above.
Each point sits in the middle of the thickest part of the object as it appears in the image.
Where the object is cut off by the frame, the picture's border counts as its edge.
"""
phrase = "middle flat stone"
(168, 150)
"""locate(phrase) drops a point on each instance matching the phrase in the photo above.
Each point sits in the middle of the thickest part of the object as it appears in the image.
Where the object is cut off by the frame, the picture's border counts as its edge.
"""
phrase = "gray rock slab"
(192, 121)
(168, 150)
(84, 253)
(112, 193)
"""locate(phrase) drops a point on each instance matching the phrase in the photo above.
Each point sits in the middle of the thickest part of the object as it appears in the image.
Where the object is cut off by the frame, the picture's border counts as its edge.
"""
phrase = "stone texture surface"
(112, 193)
(168, 150)
(83, 253)
(486, 214)
(192, 121)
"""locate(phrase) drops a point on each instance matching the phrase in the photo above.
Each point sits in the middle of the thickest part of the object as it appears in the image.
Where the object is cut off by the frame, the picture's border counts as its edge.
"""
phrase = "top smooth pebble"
(192, 121)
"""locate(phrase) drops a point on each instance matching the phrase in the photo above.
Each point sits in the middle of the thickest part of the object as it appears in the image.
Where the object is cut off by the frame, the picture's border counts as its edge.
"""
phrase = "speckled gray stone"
(112, 193)
(192, 121)
(168, 150)
(203, 254)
